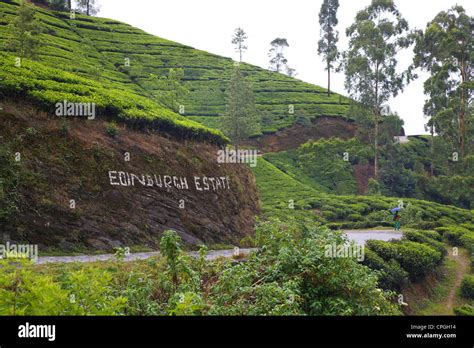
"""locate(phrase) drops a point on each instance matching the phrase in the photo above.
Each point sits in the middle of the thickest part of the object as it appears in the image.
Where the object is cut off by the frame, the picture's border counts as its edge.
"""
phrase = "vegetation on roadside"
(289, 275)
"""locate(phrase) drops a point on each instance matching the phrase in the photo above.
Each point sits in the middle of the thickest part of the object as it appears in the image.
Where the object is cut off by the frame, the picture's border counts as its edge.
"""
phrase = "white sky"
(209, 24)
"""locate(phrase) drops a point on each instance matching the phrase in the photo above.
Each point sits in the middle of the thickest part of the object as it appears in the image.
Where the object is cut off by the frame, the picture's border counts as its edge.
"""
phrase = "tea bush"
(454, 234)
(467, 286)
(467, 240)
(417, 259)
(391, 276)
(425, 238)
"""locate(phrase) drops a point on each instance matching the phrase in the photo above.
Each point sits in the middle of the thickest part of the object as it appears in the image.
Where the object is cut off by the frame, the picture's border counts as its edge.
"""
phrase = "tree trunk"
(329, 79)
(88, 7)
(69, 5)
(376, 145)
(432, 151)
(376, 119)
(462, 113)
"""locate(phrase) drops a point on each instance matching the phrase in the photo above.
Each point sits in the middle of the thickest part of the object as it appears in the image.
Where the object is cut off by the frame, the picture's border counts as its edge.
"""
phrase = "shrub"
(391, 276)
(292, 275)
(25, 291)
(90, 293)
(112, 129)
(355, 217)
(468, 226)
(432, 234)
(454, 234)
(417, 259)
(187, 303)
(329, 215)
(467, 240)
(426, 225)
(411, 215)
(140, 291)
(424, 238)
(442, 230)
(31, 131)
(467, 287)
(386, 250)
(466, 310)
(381, 216)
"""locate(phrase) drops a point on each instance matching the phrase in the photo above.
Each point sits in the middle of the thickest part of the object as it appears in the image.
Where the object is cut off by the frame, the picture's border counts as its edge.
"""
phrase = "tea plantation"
(125, 59)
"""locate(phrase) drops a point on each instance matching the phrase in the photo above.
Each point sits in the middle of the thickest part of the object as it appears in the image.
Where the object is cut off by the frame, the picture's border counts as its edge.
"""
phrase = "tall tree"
(291, 72)
(24, 32)
(241, 118)
(89, 7)
(446, 50)
(238, 40)
(59, 5)
(327, 45)
(370, 63)
(278, 60)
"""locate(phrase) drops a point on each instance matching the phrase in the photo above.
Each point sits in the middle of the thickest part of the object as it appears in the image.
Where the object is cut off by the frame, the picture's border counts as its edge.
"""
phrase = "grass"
(434, 304)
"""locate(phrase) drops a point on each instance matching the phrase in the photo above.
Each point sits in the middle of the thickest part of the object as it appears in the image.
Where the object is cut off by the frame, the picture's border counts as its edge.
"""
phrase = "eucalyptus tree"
(89, 7)
(278, 60)
(446, 50)
(238, 40)
(327, 45)
(370, 63)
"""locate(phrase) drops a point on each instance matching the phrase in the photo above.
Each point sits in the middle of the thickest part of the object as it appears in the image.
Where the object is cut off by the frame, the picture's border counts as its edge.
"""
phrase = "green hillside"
(100, 49)
(295, 198)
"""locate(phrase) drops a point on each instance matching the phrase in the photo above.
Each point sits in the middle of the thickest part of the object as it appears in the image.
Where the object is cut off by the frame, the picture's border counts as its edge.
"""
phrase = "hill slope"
(68, 185)
(100, 49)
(305, 201)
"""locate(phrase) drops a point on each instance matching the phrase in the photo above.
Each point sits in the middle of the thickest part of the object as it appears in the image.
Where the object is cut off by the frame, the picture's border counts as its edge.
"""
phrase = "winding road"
(211, 255)
(359, 236)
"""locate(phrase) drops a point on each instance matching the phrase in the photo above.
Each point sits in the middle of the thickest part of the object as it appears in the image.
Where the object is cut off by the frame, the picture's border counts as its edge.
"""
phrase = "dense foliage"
(370, 63)
(444, 49)
(289, 275)
(297, 198)
(330, 165)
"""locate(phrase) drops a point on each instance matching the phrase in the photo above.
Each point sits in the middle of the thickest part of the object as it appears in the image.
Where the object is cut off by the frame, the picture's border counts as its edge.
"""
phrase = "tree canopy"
(377, 35)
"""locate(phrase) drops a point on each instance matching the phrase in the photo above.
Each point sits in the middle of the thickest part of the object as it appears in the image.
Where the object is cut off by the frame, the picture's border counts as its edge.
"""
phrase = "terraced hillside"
(122, 58)
(303, 200)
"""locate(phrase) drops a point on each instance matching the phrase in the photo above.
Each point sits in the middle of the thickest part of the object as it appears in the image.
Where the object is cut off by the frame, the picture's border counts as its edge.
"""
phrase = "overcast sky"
(209, 24)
